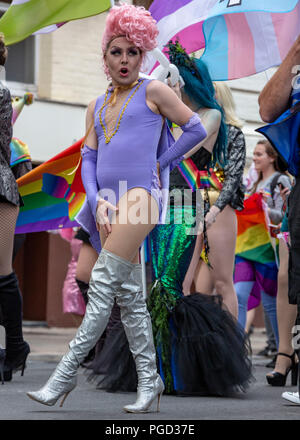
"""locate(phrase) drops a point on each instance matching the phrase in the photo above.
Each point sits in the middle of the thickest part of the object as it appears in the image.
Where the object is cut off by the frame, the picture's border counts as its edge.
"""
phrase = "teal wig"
(199, 88)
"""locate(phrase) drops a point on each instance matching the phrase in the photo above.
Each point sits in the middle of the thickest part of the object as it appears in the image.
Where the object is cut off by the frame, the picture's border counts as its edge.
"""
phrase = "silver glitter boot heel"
(146, 396)
(137, 325)
(53, 390)
(108, 274)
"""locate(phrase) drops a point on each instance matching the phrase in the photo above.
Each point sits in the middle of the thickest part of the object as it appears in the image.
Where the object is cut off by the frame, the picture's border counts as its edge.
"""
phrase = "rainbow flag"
(198, 179)
(255, 258)
(253, 237)
(239, 37)
(52, 193)
(19, 152)
(25, 17)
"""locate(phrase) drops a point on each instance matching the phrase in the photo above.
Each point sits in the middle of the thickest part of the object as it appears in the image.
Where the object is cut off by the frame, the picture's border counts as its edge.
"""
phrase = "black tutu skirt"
(209, 353)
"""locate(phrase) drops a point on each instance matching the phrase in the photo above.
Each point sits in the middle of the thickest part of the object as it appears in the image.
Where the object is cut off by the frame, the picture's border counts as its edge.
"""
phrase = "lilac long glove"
(193, 133)
(88, 175)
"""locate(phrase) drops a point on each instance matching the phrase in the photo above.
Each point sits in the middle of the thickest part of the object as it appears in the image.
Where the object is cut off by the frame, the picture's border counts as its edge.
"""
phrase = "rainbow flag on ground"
(255, 255)
(52, 193)
(239, 37)
(25, 17)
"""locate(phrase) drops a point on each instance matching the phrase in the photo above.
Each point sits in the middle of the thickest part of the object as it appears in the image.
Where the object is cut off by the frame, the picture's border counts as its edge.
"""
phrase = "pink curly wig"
(133, 22)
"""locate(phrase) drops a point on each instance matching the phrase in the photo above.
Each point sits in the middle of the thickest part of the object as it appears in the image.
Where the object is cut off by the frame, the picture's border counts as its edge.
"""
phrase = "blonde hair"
(225, 99)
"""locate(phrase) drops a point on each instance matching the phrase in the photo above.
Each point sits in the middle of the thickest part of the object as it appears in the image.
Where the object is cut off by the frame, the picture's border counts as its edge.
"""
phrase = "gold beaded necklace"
(108, 138)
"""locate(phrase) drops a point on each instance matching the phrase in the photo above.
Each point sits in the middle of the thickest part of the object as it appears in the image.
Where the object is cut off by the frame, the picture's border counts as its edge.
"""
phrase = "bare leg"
(250, 319)
(203, 279)
(193, 267)
(221, 239)
(286, 313)
(127, 233)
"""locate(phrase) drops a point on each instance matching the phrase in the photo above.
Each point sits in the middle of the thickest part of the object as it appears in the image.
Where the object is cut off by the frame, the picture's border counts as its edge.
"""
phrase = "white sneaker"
(292, 397)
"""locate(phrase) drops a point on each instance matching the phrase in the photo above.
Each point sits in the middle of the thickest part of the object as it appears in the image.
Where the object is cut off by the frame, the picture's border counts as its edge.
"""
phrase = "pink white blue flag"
(239, 37)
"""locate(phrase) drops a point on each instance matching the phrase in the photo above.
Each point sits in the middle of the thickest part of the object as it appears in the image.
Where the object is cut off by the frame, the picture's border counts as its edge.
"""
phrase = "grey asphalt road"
(261, 402)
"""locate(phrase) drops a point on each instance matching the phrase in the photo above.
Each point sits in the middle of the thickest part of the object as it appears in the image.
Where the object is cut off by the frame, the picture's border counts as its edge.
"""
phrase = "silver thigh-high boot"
(137, 325)
(108, 274)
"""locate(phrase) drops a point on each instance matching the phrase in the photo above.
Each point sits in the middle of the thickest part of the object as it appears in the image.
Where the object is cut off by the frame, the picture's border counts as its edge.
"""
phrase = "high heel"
(107, 276)
(137, 325)
(2, 360)
(278, 379)
(146, 397)
(17, 349)
(23, 362)
(53, 390)
(158, 401)
(18, 357)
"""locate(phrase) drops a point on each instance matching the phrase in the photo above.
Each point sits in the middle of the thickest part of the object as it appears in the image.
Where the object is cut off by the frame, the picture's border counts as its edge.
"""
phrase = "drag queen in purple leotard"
(125, 171)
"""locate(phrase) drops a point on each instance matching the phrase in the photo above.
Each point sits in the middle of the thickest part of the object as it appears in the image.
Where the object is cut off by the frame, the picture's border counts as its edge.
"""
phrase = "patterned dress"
(233, 189)
(8, 186)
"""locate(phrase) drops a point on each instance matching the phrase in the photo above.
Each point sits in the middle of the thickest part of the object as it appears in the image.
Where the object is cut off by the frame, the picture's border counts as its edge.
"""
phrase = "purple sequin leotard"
(129, 159)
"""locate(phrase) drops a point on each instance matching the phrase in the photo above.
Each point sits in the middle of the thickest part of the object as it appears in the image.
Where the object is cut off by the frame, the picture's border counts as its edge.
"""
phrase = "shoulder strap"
(274, 183)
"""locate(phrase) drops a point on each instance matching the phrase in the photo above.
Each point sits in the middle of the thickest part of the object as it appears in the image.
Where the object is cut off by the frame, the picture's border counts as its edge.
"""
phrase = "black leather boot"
(17, 349)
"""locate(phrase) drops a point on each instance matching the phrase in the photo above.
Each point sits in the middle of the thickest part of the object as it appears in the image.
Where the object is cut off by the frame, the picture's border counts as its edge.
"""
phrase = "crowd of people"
(182, 153)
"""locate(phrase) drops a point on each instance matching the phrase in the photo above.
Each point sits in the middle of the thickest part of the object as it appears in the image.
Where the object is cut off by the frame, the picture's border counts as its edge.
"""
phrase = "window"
(20, 64)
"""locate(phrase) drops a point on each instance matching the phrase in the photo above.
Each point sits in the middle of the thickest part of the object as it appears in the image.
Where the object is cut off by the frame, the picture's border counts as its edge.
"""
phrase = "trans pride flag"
(52, 193)
(239, 37)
